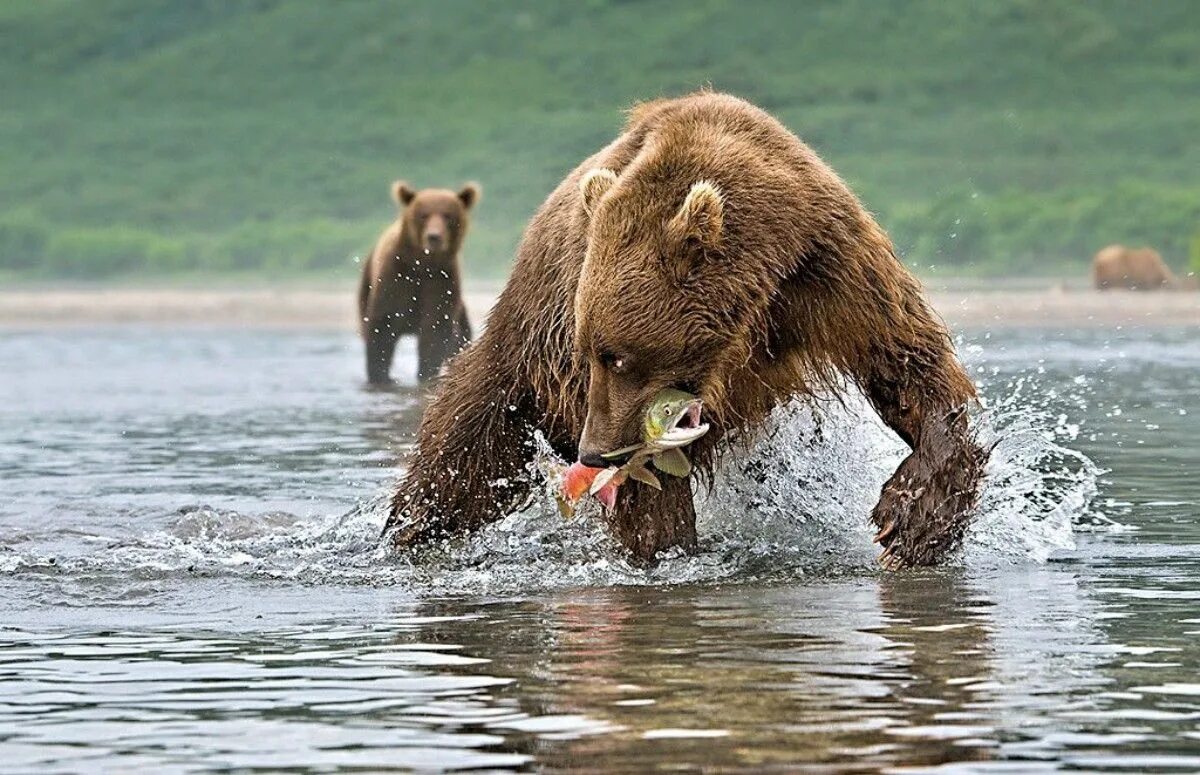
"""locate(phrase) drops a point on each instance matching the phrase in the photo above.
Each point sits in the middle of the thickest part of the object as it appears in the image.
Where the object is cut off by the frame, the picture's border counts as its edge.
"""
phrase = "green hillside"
(145, 137)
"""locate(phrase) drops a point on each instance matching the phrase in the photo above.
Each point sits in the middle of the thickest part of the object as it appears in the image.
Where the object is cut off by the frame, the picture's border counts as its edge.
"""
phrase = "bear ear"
(469, 195)
(403, 193)
(595, 184)
(702, 215)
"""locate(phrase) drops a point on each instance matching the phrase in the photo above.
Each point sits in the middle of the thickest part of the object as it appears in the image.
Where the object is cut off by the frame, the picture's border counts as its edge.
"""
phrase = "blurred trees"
(151, 136)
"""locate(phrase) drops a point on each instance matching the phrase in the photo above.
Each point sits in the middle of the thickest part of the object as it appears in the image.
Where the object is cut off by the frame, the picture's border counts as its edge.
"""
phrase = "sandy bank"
(314, 308)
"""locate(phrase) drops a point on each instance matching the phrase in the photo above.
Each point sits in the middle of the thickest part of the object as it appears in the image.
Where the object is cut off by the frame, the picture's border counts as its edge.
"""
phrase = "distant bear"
(706, 249)
(411, 283)
(1135, 269)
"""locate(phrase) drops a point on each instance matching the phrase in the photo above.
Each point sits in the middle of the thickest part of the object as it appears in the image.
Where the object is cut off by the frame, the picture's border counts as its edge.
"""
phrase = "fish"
(578, 480)
(672, 421)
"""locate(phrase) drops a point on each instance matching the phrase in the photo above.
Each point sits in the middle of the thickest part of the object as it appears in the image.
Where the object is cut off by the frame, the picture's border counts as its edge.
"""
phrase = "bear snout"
(434, 237)
(595, 448)
(434, 241)
(593, 459)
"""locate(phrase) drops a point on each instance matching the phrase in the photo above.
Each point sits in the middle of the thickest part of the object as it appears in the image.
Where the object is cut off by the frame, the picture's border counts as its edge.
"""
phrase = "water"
(189, 580)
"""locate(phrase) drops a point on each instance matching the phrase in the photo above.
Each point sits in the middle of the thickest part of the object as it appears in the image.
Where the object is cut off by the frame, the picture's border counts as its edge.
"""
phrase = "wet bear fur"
(706, 248)
(411, 283)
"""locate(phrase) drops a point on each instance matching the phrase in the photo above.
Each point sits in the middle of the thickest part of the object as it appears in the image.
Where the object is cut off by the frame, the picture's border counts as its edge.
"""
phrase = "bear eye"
(613, 362)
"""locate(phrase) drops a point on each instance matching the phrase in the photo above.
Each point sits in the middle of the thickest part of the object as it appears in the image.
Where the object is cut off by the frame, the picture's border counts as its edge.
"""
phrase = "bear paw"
(924, 510)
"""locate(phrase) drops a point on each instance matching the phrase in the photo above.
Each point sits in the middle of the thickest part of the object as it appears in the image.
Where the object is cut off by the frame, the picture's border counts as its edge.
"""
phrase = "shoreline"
(307, 308)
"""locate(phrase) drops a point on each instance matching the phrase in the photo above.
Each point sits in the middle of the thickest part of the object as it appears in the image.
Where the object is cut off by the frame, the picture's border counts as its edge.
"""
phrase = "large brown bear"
(411, 285)
(706, 248)
(1134, 269)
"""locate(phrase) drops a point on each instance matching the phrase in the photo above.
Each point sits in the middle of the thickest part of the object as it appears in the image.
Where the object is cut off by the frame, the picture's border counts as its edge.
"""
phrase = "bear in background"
(411, 283)
(1134, 269)
(710, 250)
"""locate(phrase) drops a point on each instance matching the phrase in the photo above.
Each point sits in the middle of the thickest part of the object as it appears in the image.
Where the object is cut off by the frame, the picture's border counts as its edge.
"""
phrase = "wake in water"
(793, 500)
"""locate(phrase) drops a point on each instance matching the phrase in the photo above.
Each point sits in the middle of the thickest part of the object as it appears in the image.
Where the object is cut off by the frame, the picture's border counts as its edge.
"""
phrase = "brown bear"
(1134, 269)
(411, 285)
(706, 248)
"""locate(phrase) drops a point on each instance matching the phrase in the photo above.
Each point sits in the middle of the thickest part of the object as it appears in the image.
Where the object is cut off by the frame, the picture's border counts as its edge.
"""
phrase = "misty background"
(148, 139)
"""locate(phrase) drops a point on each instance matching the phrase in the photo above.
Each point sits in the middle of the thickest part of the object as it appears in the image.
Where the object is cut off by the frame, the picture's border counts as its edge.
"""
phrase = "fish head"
(673, 419)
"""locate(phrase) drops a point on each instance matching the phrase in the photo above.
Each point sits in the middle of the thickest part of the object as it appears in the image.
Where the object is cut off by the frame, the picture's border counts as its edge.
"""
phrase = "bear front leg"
(468, 466)
(380, 339)
(463, 326)
(433, 346)
(925, 507)
(647, 521)
(438, 341)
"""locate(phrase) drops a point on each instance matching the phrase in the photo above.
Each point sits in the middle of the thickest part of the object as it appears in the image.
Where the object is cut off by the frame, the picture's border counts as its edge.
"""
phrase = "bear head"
(658, 304)
(435, 219)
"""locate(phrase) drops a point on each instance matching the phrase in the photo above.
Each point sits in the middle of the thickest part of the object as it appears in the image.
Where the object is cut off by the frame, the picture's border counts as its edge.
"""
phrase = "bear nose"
(594, 459)
(433, 241)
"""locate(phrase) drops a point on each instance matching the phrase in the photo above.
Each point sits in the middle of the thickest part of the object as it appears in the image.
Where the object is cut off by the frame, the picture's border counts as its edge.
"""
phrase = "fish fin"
(645, 476)
(673, 462)
(603, 478)
(623, 451)
(608, 495)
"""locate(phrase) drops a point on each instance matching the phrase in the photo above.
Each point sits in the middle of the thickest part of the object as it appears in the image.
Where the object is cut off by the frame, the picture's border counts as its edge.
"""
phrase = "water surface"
(190, 580)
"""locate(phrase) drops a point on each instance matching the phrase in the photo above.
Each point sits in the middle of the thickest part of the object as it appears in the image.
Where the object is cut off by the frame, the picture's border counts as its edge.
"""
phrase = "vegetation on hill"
(144, 137)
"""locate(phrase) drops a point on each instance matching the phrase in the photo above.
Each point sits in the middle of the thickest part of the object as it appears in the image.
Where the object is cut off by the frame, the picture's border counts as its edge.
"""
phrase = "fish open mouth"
(690, 417)
(685, 428)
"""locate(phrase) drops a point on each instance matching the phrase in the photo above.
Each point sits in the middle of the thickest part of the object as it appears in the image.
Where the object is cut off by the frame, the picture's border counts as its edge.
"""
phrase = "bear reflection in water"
(628, 660)
(705, 249)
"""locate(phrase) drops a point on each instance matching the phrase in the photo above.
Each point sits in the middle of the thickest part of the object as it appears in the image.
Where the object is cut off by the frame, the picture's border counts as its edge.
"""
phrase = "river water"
(190, 580)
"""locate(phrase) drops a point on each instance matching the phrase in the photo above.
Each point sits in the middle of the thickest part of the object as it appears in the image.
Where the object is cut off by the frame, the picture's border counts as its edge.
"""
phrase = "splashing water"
(803, 492)
(795, 499)
(1037, 490)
